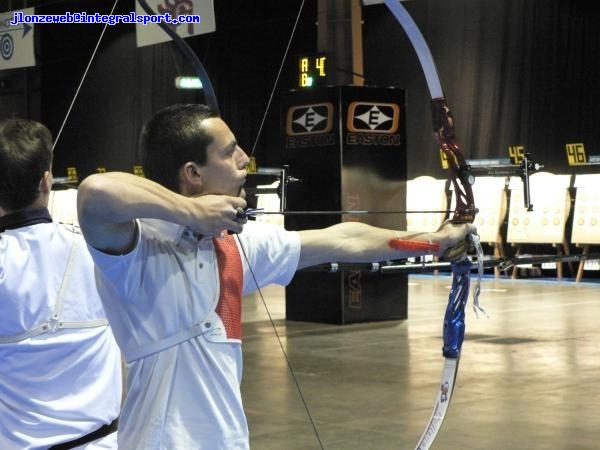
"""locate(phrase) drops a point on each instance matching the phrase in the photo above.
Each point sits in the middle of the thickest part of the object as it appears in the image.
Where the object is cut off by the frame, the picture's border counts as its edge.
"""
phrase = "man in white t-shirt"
(60, 367)
(172, 278)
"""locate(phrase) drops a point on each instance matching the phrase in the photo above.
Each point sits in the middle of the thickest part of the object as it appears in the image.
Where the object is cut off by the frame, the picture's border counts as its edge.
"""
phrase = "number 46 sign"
(576, 154)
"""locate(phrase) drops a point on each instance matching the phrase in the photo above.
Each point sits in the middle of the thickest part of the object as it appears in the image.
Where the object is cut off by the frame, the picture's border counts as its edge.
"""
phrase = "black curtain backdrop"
(515, 72)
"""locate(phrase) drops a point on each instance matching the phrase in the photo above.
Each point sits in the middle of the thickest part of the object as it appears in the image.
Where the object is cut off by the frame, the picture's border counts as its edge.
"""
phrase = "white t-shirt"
(65, 382)
(186, 396)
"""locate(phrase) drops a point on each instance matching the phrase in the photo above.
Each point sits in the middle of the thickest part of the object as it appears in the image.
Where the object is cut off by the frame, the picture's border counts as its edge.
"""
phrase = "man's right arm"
(109, 203)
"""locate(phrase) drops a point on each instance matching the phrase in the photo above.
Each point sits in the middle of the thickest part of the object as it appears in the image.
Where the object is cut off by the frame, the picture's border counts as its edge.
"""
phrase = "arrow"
(26, 29)
(250, 212)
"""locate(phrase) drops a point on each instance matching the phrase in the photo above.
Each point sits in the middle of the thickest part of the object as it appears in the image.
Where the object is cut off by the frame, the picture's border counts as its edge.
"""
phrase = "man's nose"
(244, 159)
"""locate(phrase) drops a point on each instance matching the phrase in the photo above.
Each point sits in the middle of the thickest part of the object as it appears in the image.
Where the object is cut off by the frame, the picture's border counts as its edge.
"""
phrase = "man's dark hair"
(25, 154)
(172, 137)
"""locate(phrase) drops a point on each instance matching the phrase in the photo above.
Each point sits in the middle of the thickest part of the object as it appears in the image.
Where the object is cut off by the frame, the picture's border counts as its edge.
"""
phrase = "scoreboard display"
(312, 70)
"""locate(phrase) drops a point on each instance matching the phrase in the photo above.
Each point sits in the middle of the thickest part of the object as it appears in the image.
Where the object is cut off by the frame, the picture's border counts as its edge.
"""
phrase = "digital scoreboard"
(312, 70)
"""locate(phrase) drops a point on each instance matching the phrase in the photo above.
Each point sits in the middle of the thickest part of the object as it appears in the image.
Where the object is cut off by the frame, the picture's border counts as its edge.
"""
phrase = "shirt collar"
(24, 218)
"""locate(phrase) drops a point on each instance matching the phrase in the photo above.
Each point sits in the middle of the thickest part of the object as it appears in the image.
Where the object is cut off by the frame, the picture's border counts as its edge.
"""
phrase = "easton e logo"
(373, 117)
(309, 119)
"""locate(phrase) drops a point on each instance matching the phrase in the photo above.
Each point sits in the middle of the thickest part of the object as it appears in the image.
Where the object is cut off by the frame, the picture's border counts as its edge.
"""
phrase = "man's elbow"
(90, 195)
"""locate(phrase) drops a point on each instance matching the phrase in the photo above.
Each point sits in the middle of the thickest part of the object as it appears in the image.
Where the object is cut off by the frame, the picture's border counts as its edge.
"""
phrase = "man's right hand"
(211, 214)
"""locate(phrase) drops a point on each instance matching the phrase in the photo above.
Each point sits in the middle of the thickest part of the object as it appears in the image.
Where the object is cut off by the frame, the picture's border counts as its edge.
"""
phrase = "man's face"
(225, 169)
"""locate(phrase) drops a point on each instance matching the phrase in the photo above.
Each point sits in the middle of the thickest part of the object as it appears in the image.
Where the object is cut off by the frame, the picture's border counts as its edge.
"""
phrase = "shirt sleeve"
(118, 268)
(270, 254)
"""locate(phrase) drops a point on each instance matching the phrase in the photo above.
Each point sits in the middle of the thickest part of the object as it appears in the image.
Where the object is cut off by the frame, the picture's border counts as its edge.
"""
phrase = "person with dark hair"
(60, 370)
(172, 276)
(171, 138)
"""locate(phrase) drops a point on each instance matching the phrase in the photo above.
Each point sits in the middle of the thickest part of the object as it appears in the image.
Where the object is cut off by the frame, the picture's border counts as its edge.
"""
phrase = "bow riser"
(461, 176)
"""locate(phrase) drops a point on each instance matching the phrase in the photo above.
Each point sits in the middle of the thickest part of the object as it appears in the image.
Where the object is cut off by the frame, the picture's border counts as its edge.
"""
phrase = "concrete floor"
(529, 375)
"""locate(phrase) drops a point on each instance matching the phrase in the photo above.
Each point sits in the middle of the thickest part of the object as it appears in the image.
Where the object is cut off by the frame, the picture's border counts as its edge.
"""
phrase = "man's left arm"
(359, 242)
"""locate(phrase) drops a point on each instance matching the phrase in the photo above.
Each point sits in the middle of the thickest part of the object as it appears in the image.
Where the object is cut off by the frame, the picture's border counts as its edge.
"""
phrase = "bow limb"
(462, 179)
(209, 92)
(442, 121)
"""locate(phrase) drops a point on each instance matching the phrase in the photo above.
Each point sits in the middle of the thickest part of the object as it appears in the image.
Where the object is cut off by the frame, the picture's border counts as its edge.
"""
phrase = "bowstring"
(280, 342)
(85, 72)
(262, 298)
(287, 49)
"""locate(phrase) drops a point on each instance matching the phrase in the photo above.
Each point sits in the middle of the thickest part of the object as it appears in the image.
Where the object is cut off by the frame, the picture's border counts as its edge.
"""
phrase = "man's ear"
(46, 182)
(191, 178)
(191, 172)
